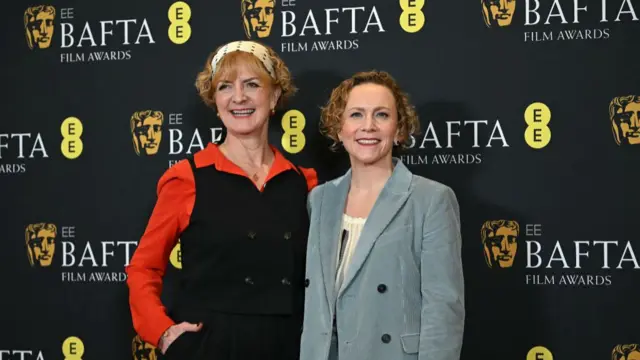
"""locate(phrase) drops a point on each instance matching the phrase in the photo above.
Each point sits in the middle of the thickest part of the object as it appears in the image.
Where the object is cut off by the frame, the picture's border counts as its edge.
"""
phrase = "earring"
(395, 142)
(218, 114)
(273, 112)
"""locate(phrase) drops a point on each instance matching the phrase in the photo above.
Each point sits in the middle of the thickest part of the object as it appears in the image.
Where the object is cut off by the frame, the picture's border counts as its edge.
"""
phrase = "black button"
(285, 281)
(386, 338)
(248, 280)
(306, 282)
(382, 288)
(251, 235)
(287, 235)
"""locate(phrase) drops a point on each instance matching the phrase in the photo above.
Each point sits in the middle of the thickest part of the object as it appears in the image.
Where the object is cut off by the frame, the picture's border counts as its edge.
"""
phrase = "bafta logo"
(38, 26)
(498, 13)
(257, 17)
(500, 242)
(142, 350)
(624, 113)
(41, 243)
(146, 131)
(626, 352)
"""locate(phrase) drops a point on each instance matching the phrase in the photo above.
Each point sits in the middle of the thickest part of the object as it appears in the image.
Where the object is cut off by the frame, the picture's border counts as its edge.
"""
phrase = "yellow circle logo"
(71, 130)
(539, 353)
(412, 17)
(293, 140)
(176, 256)
(179, 16)
(537, 134)
(73, 348)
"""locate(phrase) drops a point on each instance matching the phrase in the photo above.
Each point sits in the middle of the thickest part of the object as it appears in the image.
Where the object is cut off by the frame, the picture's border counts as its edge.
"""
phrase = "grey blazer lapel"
(335, 196)
(392, 197)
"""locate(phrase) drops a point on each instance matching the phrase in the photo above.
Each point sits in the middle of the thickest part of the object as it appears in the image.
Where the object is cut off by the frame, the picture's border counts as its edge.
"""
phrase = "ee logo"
(293, 140)
(539, 353)
(73, 348)
(412, 17)
(176, 256)
(71, 145)
(538, 134)
(179, 16)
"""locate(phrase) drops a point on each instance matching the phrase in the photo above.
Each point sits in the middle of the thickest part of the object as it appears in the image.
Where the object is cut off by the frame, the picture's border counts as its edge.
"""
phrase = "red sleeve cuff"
(156, 330)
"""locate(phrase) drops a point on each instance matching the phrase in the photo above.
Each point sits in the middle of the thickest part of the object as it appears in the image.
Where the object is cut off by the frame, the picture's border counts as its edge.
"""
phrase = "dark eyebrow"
(375, 109)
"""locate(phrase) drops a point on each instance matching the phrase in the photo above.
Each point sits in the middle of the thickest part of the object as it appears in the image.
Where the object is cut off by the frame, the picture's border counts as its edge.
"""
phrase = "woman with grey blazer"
(384, 273)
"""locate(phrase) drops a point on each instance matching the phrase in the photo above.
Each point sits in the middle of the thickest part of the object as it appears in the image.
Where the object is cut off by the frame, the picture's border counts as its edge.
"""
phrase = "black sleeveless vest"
(244, 250)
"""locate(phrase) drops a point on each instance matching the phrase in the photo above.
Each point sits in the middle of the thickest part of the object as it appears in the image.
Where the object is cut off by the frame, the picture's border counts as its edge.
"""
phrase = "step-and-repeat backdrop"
(530, 111)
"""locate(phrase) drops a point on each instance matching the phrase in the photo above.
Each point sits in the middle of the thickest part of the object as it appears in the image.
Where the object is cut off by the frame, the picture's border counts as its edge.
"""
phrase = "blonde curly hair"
(331, 115)
(228, 66)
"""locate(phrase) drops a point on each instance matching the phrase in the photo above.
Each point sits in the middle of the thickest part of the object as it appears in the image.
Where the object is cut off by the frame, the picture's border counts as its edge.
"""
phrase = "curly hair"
(228, 66)
(331, 115)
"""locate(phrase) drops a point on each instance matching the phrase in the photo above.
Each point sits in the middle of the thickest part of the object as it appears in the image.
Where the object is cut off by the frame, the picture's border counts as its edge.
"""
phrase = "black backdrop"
(570, 187)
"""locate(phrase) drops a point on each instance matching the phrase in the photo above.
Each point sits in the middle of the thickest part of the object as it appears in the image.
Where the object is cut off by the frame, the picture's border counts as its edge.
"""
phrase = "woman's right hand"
(174, 332)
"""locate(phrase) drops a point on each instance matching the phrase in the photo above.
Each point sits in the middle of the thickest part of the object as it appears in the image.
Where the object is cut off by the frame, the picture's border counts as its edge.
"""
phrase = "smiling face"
(244, 99)
(369, 124)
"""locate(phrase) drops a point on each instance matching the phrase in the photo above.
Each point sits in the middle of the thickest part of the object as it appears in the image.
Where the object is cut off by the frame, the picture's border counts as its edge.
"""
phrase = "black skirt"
(237, 337)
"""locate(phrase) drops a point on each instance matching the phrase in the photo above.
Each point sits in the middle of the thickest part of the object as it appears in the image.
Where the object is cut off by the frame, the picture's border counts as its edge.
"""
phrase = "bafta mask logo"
(500, 242)
(146, 130)
(624, 113)
(498, 12)
(626, 352)
(41, 243)
(38, 26)
(257, 17)
(142, 350)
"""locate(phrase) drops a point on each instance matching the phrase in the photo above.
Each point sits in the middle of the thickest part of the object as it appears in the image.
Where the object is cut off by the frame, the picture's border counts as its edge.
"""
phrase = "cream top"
(350, 234)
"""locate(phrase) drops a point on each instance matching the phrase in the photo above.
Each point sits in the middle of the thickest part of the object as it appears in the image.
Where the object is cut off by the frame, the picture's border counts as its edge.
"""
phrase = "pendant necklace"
(255, 177)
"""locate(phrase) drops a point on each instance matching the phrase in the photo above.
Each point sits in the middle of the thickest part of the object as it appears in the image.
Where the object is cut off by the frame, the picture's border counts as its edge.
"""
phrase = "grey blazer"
(403, 294)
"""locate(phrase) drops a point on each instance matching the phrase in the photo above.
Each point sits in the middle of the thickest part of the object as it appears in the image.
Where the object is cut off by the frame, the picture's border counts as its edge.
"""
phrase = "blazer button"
(251, 235)
(386, 338)
(306, 282)
(286, 281)
(287, 235)
(382, 288)
(248, 280)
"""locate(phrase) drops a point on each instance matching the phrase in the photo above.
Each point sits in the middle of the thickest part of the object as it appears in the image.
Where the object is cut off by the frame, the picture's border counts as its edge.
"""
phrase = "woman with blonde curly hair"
(384, 249)
(239, 211)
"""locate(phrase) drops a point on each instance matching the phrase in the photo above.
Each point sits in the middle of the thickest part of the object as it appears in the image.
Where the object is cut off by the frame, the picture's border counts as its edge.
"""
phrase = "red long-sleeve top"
(175, 199)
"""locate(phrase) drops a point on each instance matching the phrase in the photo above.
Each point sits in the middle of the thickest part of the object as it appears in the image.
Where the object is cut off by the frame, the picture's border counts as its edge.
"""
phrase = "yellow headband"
(251, 47)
